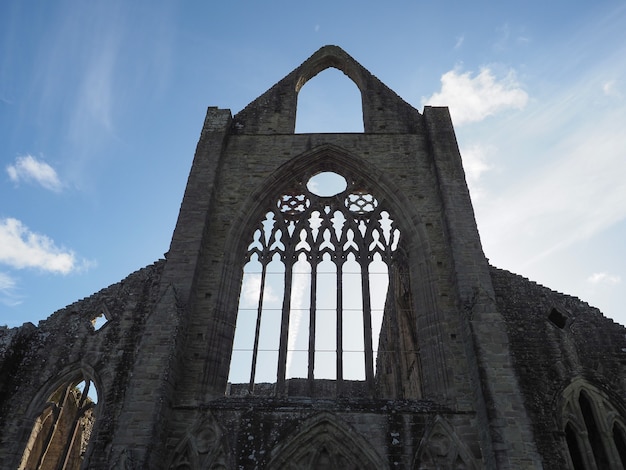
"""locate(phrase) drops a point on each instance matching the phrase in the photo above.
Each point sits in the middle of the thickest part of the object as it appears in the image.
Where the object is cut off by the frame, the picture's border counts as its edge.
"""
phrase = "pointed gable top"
(274, 112)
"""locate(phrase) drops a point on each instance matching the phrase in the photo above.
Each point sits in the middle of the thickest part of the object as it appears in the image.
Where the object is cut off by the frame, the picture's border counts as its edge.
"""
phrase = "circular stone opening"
(327, 184)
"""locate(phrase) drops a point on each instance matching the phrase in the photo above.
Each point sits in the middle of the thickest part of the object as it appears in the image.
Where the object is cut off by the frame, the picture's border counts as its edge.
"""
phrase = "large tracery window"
(313, 291)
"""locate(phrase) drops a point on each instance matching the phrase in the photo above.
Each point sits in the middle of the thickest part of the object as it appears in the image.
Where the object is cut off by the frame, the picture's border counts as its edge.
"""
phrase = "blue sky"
(101, 106)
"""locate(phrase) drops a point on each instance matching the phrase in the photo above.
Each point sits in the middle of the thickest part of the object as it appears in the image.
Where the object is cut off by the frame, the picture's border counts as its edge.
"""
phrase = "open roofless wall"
(289, 327)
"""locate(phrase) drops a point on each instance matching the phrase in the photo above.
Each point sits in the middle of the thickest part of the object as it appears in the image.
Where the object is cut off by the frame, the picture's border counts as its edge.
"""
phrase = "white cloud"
(472, 99)
(251, 291)
(475, 163)
(604, 278)
(20, 248)
(28, 168)
(459, 41)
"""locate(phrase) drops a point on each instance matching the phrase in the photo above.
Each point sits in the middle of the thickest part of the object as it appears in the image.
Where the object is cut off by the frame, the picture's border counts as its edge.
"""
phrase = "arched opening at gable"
(61, 433)
(323, 288)
(329, 102)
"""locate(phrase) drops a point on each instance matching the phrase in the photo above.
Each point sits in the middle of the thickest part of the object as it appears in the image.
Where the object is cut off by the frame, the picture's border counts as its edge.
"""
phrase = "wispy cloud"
(94, 101)
(459, 42)
(473, 98)
(604, 278)
(610, 88)
(571, 187)
(28, 169)
(21, 248)
(8, 286)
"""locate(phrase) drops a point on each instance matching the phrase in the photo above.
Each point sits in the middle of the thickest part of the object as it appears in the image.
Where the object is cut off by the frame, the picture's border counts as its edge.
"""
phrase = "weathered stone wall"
(36, 361)
(412, 163)
(254, 432)
(579, 342)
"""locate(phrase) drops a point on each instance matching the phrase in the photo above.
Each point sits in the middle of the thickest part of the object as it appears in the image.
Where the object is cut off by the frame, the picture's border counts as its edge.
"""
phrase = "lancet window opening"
(594, 431)
(314, 286)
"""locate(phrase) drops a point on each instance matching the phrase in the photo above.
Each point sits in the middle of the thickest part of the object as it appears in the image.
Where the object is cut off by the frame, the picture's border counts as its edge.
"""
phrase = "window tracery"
(593, 430)
(314, 288)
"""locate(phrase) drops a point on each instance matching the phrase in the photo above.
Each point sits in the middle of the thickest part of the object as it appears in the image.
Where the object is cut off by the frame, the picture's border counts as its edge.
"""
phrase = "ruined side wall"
(549, 356)
(36, 361)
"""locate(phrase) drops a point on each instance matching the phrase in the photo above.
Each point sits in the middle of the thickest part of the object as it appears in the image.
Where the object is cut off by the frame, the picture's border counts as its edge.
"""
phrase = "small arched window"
(62, 430)
(314, 292)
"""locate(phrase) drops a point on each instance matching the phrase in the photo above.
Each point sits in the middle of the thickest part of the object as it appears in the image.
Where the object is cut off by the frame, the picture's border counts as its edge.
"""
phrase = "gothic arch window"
(320, 265)
(61, 433)
(593, 429)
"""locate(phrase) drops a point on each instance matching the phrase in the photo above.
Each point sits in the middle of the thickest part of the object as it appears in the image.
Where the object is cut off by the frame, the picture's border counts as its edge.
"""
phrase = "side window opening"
(329, 102)
(61, 433)
(557, 318)
(99, 321)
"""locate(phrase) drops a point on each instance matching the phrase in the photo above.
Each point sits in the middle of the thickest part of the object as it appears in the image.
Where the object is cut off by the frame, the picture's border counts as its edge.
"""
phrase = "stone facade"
(464, 366)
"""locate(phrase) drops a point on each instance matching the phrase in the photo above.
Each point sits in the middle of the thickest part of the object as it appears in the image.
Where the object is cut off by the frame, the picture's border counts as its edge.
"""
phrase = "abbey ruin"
(325, 303)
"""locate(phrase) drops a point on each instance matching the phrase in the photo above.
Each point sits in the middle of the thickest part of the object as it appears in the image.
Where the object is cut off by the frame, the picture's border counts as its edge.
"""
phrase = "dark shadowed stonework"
(474, 367)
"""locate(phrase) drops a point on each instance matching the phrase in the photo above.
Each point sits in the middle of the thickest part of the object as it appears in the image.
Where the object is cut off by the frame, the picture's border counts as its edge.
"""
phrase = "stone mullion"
(339, 258)
(364, 260)
(312, 317)
(392, 311)
(288, 260)
(257, 331)
(313, 257)
(265, 257)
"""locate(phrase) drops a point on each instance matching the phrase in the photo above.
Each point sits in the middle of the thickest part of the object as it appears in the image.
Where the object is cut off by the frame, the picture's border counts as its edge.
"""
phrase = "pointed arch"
(335, 57)
(441, 448)
(331, 102)
(64, 414)
(324, 441)
(331, 158)
(204, 446)
(413, 253)
(593, 427)
(274, 112)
